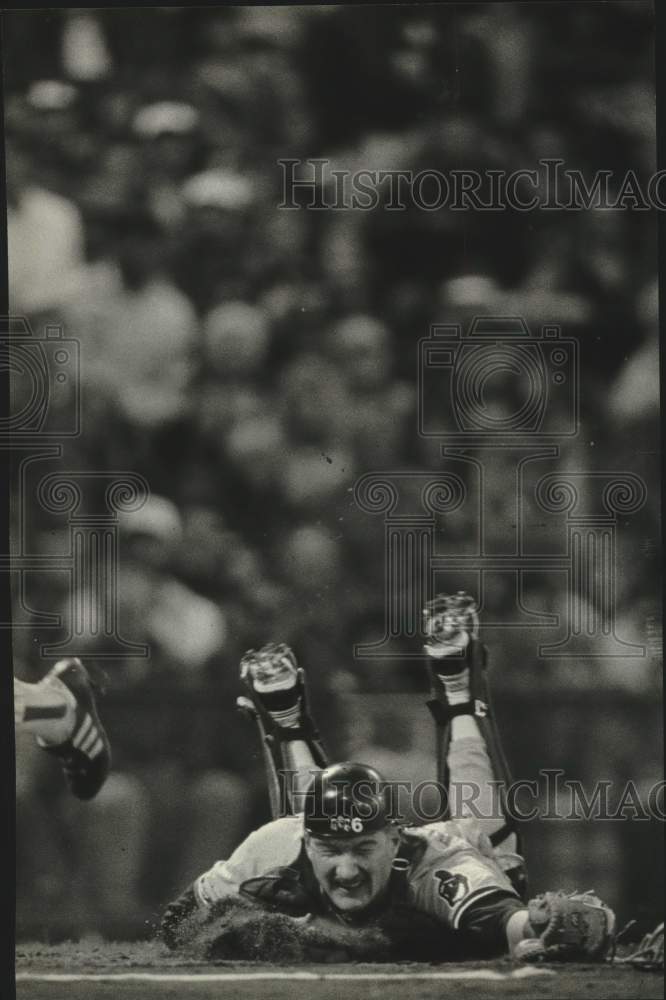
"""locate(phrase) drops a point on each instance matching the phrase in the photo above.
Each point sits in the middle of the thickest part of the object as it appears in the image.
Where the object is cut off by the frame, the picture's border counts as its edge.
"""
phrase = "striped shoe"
(86, 755)
(274, 682)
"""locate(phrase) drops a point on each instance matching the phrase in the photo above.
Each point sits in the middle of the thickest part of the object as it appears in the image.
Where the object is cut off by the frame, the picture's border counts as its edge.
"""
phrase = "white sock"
(465, 727)
(47, 710)
(456, 686)
(289, 717)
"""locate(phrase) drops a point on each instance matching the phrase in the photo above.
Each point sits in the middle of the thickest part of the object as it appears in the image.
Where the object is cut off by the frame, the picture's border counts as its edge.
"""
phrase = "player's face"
(353, 871)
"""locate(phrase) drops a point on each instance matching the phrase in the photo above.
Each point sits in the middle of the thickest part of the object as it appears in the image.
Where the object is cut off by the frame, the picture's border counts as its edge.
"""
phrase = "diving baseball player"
(338, 867)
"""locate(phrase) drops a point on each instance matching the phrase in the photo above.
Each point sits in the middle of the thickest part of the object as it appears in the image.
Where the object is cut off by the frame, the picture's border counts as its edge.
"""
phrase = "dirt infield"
(146, 971)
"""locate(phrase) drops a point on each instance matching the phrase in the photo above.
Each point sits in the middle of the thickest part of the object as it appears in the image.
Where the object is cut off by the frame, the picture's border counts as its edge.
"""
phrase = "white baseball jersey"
(446, 877)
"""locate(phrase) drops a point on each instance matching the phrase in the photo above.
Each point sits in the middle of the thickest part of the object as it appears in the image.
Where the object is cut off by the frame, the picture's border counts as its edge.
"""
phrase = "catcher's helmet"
(346, 800)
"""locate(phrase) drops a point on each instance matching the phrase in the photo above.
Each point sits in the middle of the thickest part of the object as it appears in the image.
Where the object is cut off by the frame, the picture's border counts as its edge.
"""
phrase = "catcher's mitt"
(574, 926)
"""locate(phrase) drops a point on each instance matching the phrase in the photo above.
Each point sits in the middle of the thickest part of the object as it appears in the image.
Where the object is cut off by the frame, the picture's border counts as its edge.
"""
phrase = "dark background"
(252, 363)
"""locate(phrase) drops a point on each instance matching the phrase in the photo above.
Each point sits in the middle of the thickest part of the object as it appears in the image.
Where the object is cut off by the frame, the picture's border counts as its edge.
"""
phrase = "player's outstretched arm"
(271, 846)
(518, 930)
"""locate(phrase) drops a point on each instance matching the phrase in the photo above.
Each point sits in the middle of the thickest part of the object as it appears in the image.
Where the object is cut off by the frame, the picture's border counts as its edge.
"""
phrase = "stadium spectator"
(45, 239)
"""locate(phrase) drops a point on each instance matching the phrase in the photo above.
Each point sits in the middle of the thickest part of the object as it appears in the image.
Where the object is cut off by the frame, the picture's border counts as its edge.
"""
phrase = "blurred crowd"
(252, 362)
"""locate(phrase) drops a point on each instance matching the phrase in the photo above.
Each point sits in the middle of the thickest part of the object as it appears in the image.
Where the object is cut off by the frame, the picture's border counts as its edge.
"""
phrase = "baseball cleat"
(270, 669)
(86, 756)
(274, 683)
(449, 623)
(276, 700)
(456, 659)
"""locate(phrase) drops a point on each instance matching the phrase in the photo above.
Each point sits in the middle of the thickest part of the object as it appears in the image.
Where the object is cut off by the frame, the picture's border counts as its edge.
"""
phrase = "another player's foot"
(274, 682)
(86, 756)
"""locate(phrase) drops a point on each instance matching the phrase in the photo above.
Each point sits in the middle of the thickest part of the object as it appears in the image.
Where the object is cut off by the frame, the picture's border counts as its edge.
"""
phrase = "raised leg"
(471, 764)
(277, 702)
